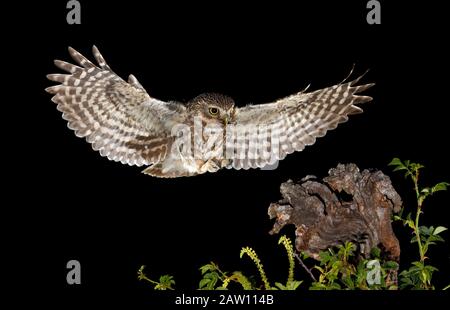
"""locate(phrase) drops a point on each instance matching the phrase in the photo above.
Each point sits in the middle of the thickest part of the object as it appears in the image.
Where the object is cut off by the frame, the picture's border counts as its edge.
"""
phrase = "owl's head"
(213, 107)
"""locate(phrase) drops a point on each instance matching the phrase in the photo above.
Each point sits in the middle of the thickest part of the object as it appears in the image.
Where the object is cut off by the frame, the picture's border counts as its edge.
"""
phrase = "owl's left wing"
(268, 132)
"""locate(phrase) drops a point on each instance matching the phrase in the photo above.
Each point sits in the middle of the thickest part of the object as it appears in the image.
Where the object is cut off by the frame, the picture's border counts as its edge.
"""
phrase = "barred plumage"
(125, 124)
(102, 107)
(299, 119)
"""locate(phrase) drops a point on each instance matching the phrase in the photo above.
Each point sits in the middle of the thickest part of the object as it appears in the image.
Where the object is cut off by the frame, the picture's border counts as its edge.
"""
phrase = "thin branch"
(304, 267)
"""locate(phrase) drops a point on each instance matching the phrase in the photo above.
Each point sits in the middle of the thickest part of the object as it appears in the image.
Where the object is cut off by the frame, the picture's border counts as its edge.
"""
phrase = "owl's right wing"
(119, 119)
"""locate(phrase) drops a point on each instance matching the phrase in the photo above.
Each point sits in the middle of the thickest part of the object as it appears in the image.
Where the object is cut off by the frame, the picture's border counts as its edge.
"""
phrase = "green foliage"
(419, 275)
(291, 256)
(238, 277)
(291, 284)
(339, 268)
(213, 278)
(336, 271)
(254, 257)
(212, 275)
(165, 282)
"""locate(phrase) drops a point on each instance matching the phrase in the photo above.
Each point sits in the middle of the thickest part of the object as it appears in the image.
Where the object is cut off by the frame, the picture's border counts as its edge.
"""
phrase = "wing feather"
(295, 122)
(119, 119)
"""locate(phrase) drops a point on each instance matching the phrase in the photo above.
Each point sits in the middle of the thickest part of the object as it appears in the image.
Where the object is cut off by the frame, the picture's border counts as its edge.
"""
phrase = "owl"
(173, 139)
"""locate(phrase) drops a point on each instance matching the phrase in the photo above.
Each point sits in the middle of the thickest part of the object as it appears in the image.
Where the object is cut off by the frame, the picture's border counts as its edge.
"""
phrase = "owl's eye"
(213, 111)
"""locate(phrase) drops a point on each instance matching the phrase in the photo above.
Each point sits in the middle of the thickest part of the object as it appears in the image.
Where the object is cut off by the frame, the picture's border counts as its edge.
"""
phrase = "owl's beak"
(225, 120)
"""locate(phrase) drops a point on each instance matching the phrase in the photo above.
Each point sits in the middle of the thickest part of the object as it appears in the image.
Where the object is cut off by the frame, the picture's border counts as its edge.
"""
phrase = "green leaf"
(408, 173)
(430, 268)
(324, 256)
(319, 268)
(439, 229)
(167, 279)
(316, 286)
(280, 286)
(390, 265)
(425, 190)
(414, 166)
(347, 281)
(426, 231)
(203, 283)
(405, 282)
(417, 264)
(208, 267)
(424, 276)
(440, 187)
(397, 218)
(337, 265)
(421, 199)
(375, 252)
(398, 168)
(395, 162)
(410, 223)
(435, 238)
(334, 286)
(165, 282)
(293, 285)
(209, 281)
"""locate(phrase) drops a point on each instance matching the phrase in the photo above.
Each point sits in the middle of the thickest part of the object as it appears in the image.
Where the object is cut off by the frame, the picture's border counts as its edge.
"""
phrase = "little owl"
(124, 123)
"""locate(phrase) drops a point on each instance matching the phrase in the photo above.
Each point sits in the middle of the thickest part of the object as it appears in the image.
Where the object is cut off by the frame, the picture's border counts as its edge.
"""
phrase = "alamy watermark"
(374, 15)
(374, 273)
(74, 14)
(74, 274)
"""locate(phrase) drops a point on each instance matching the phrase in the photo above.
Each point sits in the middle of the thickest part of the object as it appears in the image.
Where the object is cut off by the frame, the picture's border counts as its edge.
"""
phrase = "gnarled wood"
(348, 205)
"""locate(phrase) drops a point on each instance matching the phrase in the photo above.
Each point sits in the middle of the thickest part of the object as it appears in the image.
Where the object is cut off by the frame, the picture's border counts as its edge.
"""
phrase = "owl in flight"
(124, 123)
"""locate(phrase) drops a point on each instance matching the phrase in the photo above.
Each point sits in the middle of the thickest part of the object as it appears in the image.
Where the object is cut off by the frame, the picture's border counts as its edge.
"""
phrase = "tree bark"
(347, 205)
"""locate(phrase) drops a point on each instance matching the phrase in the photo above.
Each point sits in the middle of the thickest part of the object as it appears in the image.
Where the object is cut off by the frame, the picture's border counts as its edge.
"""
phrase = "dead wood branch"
(348, 205)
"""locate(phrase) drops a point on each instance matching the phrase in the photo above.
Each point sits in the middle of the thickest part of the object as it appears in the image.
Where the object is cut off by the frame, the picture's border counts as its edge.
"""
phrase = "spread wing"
(118, 118)
(268, 132)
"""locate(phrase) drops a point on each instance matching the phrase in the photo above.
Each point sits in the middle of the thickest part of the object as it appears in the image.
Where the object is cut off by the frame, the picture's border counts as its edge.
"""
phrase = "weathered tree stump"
(348, 205)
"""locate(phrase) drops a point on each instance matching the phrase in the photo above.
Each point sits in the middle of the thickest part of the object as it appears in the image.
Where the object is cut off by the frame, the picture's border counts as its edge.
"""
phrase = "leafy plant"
(213, 276)
(165, 282)
(419, 275)
(291, 284)
(338, 272)
(254, 257)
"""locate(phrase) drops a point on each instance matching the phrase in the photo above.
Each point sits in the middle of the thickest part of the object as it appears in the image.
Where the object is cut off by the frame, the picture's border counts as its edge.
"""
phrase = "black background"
(74, 204)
